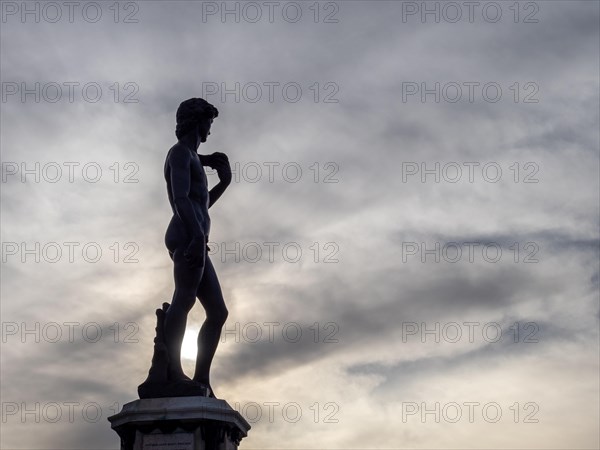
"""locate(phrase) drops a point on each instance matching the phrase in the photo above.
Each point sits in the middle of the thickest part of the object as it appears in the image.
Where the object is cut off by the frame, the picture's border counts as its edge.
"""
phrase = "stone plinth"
(179, 423)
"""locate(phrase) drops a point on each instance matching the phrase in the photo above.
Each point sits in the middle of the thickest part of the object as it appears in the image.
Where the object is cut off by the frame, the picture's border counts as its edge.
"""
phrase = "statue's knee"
(184, 299)
(219, 316)
(225, 314)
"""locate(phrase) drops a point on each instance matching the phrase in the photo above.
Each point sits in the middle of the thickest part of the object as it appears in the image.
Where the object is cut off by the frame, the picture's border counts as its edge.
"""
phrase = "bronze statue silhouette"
(186, 239)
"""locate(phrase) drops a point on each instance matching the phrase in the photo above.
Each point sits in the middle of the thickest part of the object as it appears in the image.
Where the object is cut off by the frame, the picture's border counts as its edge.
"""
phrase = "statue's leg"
(187, 280)
(211, 297)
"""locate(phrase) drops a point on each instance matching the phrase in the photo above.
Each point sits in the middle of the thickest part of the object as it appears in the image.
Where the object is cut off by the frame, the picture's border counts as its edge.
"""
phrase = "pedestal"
(179, 423)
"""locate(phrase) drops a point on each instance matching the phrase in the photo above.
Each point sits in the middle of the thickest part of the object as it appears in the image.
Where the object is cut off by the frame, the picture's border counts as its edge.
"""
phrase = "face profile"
(204, 129)
(195, 114)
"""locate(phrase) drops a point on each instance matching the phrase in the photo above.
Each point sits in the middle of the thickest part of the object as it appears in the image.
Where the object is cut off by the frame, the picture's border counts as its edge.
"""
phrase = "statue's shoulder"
(177, 147)
(178, 152)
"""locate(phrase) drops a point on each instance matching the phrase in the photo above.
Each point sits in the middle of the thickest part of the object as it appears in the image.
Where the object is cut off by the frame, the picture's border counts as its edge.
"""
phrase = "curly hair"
(190, 112)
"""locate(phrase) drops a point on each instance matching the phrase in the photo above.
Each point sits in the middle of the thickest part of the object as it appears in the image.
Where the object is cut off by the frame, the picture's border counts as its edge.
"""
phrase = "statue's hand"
(195, 252)
(212, 160)
(220, 163)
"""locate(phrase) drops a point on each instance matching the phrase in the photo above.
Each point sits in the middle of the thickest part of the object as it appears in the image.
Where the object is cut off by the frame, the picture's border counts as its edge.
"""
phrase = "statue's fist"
(220, 163)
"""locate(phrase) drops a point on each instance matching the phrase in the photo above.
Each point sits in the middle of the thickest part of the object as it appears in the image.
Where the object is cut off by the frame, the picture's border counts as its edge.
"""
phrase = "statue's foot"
(211, 393)
(178, 376)
(185, 382)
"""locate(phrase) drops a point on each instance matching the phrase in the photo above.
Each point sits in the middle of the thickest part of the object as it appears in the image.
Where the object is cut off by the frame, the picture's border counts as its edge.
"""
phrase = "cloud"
(326, 174)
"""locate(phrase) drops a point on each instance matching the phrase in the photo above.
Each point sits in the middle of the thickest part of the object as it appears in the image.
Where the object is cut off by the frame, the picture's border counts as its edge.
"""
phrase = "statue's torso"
(198, 195)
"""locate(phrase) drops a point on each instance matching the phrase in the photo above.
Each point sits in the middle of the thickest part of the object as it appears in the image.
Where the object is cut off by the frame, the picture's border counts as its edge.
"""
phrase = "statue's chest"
(197, 172)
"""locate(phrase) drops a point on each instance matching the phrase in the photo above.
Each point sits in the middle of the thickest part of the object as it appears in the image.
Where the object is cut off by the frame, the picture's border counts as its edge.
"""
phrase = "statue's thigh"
(187, 278)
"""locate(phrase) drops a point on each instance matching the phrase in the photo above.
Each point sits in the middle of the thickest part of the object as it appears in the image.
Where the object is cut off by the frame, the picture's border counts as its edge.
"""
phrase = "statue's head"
(195, 115)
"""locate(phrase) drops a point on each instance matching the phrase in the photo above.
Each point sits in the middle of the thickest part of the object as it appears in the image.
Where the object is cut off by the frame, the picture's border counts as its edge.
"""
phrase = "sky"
(409, 249)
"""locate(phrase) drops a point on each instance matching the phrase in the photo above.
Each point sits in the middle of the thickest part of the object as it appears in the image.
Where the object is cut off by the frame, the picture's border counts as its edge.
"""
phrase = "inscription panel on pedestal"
(174, 441)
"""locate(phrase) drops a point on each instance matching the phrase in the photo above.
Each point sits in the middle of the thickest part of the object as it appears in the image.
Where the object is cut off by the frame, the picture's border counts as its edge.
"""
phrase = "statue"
(186, 239)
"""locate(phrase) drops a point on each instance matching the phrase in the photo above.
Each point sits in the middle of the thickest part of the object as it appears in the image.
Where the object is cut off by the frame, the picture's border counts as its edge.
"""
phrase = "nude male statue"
(187, 236)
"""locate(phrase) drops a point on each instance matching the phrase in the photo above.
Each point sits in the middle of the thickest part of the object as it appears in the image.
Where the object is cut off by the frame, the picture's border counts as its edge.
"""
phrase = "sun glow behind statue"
(189, 348)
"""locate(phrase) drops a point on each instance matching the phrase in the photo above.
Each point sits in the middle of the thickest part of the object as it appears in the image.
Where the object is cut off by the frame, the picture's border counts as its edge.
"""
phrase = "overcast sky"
(418, 196)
